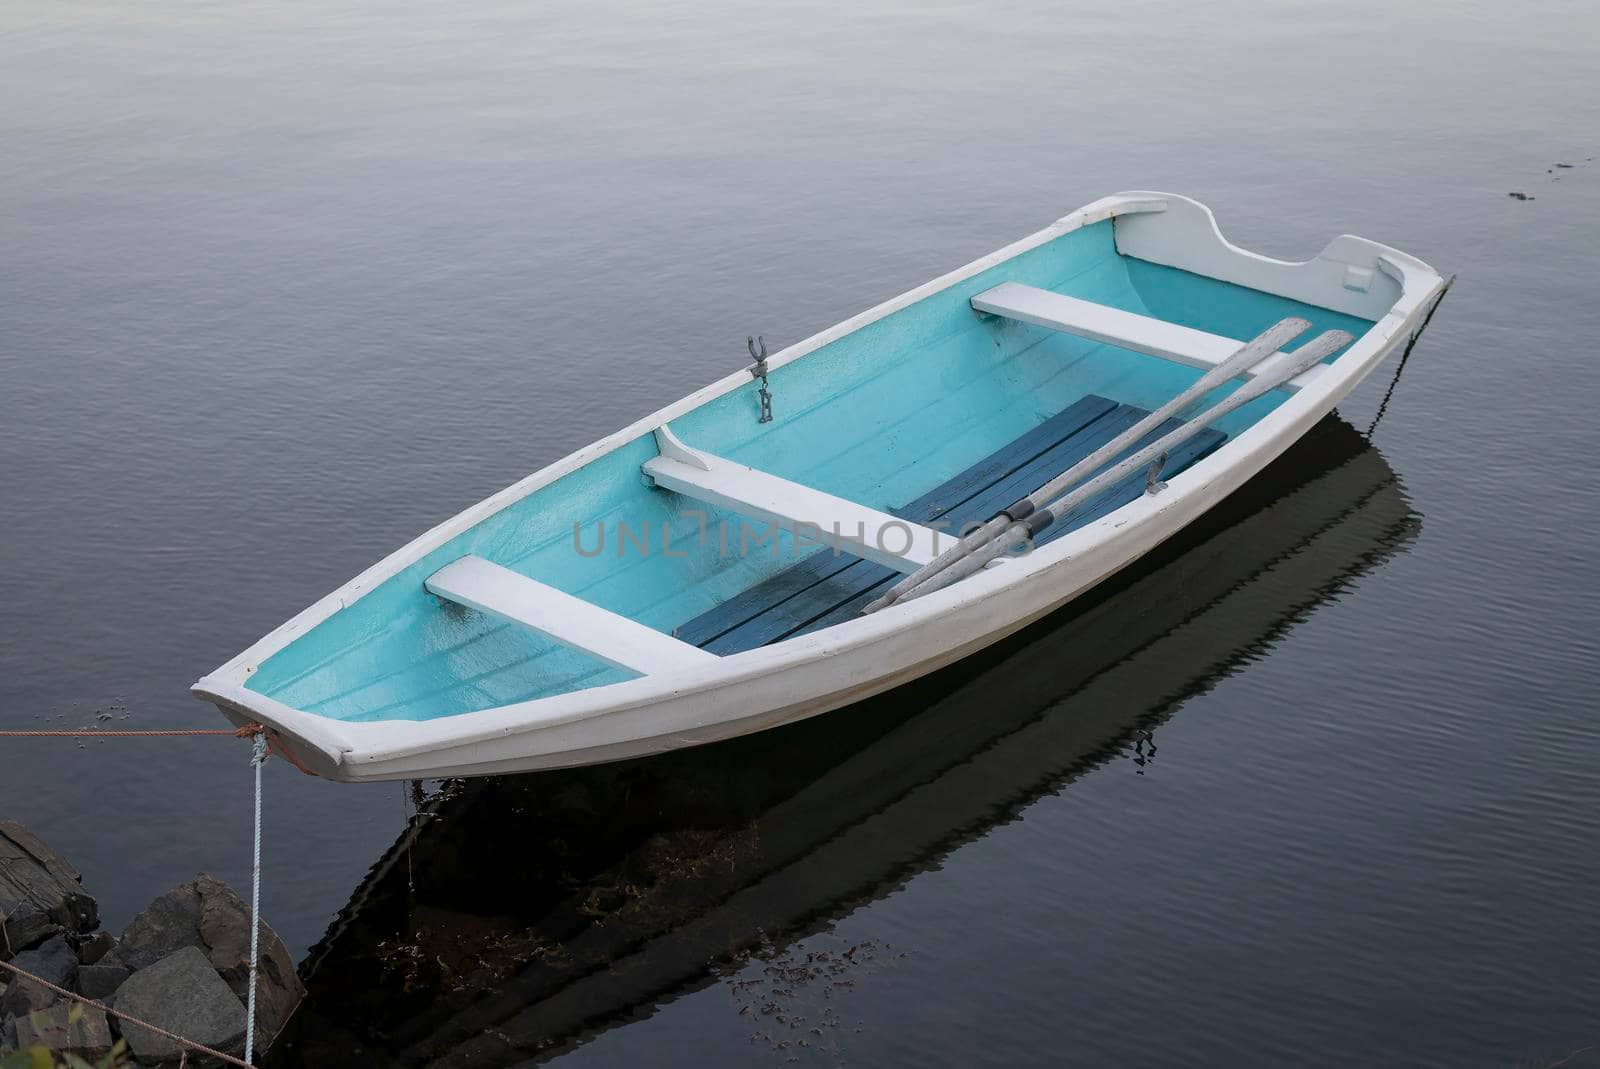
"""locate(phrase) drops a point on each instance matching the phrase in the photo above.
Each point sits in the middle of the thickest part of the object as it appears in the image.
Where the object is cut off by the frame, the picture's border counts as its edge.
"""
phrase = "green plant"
(39, 1056)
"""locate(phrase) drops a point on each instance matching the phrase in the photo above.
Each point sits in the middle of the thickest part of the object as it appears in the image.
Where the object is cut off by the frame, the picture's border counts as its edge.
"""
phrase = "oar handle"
(1299, 362)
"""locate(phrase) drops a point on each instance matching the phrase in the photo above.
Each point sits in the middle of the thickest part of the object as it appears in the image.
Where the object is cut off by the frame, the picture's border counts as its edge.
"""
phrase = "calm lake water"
(282, 285)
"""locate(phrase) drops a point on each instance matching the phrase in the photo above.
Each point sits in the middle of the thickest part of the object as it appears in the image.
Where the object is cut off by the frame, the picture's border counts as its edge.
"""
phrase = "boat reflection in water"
(551, 906)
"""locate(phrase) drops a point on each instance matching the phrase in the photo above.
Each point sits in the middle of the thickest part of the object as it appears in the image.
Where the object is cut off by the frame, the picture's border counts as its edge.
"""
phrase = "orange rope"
(89, 733)
(187, 1043)
(249, 731)
(274, 744)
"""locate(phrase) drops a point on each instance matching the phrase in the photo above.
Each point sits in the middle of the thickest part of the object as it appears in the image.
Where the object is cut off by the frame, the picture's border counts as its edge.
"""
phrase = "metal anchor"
(760, 372)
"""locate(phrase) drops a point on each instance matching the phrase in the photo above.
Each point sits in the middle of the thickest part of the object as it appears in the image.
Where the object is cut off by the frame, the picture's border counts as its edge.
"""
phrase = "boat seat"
(491, 588)
(825, 588)
(1125, 330)
(893, 541)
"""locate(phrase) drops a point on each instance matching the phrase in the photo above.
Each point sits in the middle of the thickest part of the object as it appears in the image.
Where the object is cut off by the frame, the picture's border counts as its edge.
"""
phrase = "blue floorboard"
(827, 588)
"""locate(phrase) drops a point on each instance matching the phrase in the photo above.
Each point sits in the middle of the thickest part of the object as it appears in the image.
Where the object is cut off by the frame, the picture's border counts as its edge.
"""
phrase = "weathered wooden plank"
(1108, 501)
(1113, 498)
(1092, 438)
(787, 618)
(799, 613)
(822, 564)
(1010, 458)
(753, 601)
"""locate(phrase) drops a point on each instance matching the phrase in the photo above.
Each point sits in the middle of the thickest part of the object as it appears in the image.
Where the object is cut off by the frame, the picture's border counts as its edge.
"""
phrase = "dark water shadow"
(550, 907)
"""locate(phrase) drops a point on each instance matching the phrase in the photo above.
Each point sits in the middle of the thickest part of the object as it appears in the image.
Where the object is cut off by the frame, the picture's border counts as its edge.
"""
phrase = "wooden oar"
(1248, 356)
(1301, 360)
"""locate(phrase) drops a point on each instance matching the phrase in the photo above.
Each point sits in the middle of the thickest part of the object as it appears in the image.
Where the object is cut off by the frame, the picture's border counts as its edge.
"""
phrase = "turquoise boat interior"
(934, 412)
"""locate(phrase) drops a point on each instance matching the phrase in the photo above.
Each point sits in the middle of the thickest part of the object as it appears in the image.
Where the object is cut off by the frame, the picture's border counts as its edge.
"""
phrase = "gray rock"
(92, 948)
(52, 960)
(183, 994)
(67, 1029)
(208, 914)
(169, 923)
(40, 893)
(100, 980)
(8, 1035)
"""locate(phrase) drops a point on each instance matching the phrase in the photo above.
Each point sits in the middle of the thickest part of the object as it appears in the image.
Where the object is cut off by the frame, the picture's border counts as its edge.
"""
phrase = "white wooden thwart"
(1125, 330)
(499, 591)
(827, 520)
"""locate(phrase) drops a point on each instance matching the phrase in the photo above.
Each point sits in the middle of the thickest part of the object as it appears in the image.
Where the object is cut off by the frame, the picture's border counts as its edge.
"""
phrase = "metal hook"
(760, 372)
(1153, 483)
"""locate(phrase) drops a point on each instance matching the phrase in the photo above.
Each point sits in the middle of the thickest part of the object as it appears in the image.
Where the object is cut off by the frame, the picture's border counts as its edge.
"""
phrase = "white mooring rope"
(258, 757)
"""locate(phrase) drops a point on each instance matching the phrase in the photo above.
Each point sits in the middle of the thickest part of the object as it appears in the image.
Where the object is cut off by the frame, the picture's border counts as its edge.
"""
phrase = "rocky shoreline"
(182, 964)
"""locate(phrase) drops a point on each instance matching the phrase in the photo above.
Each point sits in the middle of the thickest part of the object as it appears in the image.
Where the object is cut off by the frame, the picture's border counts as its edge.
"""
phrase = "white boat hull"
(824, 670)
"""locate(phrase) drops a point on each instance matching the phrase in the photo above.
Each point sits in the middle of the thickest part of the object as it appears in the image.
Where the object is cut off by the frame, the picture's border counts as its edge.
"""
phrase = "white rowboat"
(702, 574)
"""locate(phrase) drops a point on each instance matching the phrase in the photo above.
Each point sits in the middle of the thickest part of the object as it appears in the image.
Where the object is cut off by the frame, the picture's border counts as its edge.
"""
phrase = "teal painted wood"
(823, 563)
(829, 588)
(1101, 504)
(880, 415)
(781, 620)
(1113, 498)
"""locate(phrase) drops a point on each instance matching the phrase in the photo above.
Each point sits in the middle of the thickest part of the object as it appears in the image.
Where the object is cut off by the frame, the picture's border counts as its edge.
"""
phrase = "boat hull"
(824, 670)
